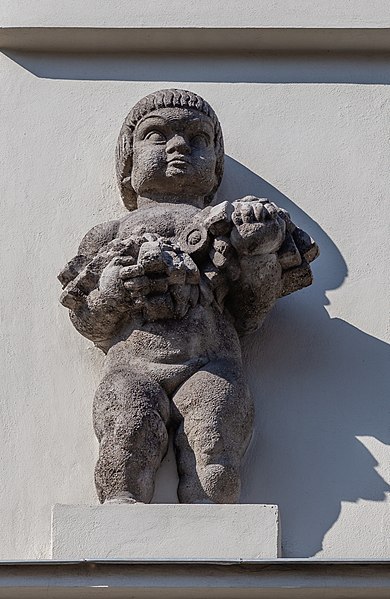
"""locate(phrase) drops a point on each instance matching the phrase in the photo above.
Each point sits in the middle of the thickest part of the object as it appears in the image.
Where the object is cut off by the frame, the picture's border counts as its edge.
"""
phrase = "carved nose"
(178, 144)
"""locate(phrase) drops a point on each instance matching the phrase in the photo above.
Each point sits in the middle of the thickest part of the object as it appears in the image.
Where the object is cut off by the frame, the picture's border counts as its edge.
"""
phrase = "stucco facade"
(303, 98)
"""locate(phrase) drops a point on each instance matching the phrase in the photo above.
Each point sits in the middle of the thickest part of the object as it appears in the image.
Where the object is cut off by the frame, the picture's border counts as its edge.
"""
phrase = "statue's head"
(170, 145)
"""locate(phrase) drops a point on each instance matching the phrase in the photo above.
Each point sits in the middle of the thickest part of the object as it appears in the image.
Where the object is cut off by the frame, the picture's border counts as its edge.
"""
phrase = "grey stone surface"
(165, 292)
(165, 532)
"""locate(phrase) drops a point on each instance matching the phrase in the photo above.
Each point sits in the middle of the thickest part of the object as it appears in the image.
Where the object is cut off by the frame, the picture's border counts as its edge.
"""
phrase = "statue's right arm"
(96, 310)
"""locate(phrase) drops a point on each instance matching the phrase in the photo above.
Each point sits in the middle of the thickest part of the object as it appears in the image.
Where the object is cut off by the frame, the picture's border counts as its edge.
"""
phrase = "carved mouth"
(180, 162)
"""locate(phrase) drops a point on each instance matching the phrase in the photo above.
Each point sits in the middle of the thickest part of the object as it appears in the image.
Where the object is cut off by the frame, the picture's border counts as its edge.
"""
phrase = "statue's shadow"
(318, 383)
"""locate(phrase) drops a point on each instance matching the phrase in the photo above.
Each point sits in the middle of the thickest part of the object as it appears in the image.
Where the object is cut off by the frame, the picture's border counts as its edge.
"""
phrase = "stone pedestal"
(164, 531)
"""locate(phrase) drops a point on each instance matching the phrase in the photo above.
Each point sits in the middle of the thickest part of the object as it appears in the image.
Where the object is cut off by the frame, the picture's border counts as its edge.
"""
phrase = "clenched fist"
(258, 227)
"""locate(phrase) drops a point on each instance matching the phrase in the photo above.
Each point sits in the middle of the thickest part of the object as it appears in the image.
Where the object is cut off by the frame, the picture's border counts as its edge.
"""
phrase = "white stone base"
(165, 531)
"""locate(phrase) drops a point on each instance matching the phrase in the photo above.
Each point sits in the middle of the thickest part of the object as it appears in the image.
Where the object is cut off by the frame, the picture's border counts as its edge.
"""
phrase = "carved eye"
(200, 140)
(155, 136)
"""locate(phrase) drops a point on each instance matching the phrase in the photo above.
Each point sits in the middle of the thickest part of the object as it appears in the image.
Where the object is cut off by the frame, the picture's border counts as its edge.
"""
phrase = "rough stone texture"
(165, 293)
(165, 532)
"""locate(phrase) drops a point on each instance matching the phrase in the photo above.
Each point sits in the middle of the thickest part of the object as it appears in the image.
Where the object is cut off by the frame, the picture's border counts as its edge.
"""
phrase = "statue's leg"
(217, 421)
(130, 415)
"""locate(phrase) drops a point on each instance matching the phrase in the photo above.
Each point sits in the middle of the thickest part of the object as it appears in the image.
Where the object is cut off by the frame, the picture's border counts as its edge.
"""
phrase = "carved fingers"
(253, 210)
(110, 284)
(163, 282)
(258, 227)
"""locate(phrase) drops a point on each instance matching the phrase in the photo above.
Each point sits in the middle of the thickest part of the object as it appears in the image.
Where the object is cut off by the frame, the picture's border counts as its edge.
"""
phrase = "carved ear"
(123, 165)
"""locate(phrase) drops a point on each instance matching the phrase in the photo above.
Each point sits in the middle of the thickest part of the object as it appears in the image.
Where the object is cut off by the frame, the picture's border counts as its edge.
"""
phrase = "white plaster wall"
(310, 133)
(202, 13)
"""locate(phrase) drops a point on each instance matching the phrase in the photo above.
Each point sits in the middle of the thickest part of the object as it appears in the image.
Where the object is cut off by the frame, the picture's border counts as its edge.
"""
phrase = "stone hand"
(258, 227)
(163, 282)
(138, 284)
(111, 285)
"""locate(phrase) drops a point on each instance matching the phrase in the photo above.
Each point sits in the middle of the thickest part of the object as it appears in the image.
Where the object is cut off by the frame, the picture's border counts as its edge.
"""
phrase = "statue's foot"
(123, 497)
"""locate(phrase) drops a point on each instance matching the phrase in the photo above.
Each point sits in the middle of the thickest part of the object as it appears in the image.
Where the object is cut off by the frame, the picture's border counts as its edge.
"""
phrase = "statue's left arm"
(274, 258)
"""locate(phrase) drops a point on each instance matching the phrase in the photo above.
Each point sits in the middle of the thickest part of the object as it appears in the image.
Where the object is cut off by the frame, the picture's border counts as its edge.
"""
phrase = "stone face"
(165, 532)
(165, 292)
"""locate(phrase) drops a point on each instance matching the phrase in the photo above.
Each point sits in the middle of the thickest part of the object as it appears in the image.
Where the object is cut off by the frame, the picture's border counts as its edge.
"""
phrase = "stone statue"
(165, 292)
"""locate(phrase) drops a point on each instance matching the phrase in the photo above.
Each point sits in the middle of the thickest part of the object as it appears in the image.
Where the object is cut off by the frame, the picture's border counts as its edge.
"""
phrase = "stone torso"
(203, 333)
(166, 220)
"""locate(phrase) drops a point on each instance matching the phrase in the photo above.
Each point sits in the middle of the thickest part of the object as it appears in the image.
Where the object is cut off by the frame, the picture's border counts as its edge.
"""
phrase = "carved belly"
(196, 336)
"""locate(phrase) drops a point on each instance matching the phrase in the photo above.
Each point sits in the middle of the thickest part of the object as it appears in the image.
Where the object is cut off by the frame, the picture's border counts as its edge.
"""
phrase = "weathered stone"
(219, 219)
(165, 292)
(306, 245)
(195, 240)
(288, 253)
(296, 278)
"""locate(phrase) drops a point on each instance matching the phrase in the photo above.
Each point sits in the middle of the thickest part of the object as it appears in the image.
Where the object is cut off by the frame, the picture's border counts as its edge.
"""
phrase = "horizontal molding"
(196, 40)
(293, 579)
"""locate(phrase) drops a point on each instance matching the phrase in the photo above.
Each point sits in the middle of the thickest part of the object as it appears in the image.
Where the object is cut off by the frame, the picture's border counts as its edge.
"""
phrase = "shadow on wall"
(318, 383)
(271, 68)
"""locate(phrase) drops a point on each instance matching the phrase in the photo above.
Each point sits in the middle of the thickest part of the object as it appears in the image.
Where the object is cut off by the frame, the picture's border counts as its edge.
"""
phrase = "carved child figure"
(165, 292)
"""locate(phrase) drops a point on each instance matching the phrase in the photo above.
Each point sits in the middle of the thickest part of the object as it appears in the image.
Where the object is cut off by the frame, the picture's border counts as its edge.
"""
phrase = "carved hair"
(165, 98)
